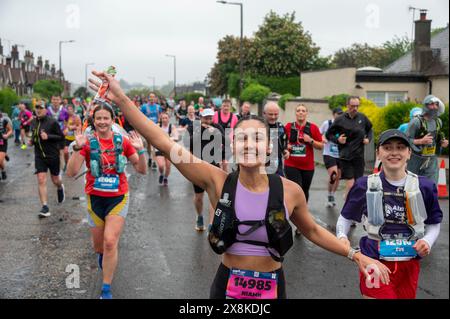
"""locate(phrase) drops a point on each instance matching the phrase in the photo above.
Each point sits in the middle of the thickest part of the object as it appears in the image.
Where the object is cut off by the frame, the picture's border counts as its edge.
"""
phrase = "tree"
(282, 48)
(82, 93)
(360, 55)
(8, 98)
(228, 62)
(256, 94)
(48, 88)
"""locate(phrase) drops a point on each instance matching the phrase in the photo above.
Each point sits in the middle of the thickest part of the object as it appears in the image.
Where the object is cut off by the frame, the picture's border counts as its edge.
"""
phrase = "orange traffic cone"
(442, 182)
(377, 168)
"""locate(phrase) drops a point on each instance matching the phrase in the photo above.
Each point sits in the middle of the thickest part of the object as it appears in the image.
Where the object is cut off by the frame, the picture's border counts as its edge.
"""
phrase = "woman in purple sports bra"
(247, 271)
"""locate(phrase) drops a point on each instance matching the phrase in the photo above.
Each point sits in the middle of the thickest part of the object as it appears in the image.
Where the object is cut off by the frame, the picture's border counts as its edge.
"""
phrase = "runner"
(72, 125)
(106, 187)
(227, 121)
(214, 139)
(25, 117)
(181, 112)
(427, 139)
(6, 131)
(151, 110)
(351, 131)
(200, 105)
(278, 136)
(189, 119)
(57, 111)
(245, 110)
(331, 159)
(412, 114)
(252, 187)
(46, 138)
(16, 124)
(164, 164)
(401, 215)
(303, 137)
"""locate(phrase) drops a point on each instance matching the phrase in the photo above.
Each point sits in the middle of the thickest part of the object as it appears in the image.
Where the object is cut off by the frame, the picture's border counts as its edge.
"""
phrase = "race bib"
(397, 250)
(298, 150)
(429, 150)
(334, 150)
(247, 284)
(107, 183)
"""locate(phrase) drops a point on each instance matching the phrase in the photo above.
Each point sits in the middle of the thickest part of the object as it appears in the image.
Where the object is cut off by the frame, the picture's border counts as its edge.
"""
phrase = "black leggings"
(219, 285)
(302, 178)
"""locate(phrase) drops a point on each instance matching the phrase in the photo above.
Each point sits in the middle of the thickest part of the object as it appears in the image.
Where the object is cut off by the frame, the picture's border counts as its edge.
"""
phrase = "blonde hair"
(296, 108)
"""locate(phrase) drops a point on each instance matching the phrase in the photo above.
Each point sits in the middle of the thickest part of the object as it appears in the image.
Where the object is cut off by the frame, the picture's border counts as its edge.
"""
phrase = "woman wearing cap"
(163, 163)
(251, 146)
(401, 215)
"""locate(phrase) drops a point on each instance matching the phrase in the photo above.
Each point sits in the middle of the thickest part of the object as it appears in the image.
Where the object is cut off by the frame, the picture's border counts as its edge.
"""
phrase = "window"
(384, 98)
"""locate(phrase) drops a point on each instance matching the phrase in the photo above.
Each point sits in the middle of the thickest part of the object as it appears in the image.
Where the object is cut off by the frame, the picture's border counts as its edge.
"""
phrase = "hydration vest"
(96, 165)
(414, 204)
(225, 224)
(424, 129)
(227, 124)
(293, 138)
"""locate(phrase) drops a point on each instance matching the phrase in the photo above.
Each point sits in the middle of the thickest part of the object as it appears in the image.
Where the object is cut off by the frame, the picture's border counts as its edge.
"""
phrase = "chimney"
(53, 69)
(422, 53)
(22, 64)
(47, 65)
(15, 53)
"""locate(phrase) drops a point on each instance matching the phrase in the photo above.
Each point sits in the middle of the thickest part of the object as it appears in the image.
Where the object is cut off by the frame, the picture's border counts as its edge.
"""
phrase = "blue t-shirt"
(356, 206)
(152, 111)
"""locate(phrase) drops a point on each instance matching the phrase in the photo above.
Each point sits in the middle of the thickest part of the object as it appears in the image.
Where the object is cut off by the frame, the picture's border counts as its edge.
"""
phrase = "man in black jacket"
(46, 138)
(351, 131)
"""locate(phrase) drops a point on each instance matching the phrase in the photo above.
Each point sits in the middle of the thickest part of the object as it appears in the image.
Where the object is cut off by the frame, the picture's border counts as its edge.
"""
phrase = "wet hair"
(353, 97)
(100, 107)
(256, 118)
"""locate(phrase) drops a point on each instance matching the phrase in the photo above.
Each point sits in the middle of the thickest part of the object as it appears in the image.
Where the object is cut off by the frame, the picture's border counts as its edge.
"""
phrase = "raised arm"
(198, 172)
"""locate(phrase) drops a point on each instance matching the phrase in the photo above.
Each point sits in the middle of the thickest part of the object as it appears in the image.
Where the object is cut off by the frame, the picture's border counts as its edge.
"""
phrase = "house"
(420, 72)
(22, 75)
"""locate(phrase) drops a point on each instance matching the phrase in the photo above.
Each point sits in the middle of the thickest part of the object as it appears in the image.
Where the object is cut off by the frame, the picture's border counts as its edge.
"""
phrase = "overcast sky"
(135, 35)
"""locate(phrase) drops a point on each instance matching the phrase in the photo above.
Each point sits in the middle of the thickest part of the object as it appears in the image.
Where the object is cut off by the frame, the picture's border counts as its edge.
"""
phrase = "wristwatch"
(352, 253)
(77, 149)
(312, 142)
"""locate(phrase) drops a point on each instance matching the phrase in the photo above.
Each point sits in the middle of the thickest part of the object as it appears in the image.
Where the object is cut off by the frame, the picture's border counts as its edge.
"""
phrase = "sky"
(136, 35)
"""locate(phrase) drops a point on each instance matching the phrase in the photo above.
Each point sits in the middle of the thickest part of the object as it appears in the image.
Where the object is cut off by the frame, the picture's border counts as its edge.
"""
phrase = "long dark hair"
(100, 107)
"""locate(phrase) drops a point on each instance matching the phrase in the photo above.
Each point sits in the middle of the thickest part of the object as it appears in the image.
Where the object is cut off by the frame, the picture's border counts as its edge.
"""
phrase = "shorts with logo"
(404, 279)
(100, 207)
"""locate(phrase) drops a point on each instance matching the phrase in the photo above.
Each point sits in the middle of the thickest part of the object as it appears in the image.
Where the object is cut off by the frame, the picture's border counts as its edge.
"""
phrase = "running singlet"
(302, 155)
(108, 156)
(151, 111)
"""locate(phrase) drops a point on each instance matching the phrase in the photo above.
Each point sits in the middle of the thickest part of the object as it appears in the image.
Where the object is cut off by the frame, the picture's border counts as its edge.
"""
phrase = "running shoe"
(161, 179)
(61, 195)
(331, 201)
(154, 167)
(166, 181)
(45, 212)
(7, 157)
(149, 162)
(23, 147)
(199, 225)
(4, 177)
(106, 294)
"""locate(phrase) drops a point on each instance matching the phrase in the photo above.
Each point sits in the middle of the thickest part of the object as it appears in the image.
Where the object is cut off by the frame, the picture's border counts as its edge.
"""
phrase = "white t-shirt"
(330, 148)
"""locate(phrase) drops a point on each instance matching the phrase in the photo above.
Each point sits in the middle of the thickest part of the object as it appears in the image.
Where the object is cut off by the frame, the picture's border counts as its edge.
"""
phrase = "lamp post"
(241, 44)
(86, 74)
(174, 73)
(60, 59)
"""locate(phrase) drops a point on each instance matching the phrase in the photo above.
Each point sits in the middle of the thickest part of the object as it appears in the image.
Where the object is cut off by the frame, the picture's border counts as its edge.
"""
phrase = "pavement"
(161, 255)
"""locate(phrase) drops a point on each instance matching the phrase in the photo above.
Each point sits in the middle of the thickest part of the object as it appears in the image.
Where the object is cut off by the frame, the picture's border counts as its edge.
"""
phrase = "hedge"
(8, 98)
(255, 93)
(278, 85)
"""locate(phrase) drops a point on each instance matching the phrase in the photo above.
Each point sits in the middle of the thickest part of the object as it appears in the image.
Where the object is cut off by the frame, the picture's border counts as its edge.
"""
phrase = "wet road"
(161, 255)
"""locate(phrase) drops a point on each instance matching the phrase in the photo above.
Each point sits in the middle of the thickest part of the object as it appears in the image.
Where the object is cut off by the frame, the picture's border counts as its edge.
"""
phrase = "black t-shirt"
(214, 139)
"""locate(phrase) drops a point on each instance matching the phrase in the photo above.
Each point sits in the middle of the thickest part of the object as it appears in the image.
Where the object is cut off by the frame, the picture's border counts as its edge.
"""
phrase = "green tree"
(8, 98)
(82, 93)
(256, 94)
(227, 63)
(48, 88)
(282, 48)
(395, 49)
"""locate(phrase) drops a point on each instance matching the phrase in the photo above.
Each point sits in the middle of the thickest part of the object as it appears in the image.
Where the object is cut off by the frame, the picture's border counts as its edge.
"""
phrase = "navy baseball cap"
(391, 134)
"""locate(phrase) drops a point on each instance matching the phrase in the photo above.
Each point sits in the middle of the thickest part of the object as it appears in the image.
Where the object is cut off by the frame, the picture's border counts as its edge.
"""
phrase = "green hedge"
(337, 101)
(255, 93)
(444, 118)
(8, 98)
(284, 99)
(278, 85)
(189, 97)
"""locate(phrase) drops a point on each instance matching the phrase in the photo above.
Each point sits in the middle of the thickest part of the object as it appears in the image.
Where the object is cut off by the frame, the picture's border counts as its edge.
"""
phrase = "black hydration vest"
(225, 224)
(227, 124)
(293, 137)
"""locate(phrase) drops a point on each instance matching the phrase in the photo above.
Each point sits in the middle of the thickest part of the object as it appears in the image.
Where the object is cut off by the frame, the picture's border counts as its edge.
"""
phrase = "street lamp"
(174, 73)
(152, 78)
(60, 63)
(241, 44)
(86, 74)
